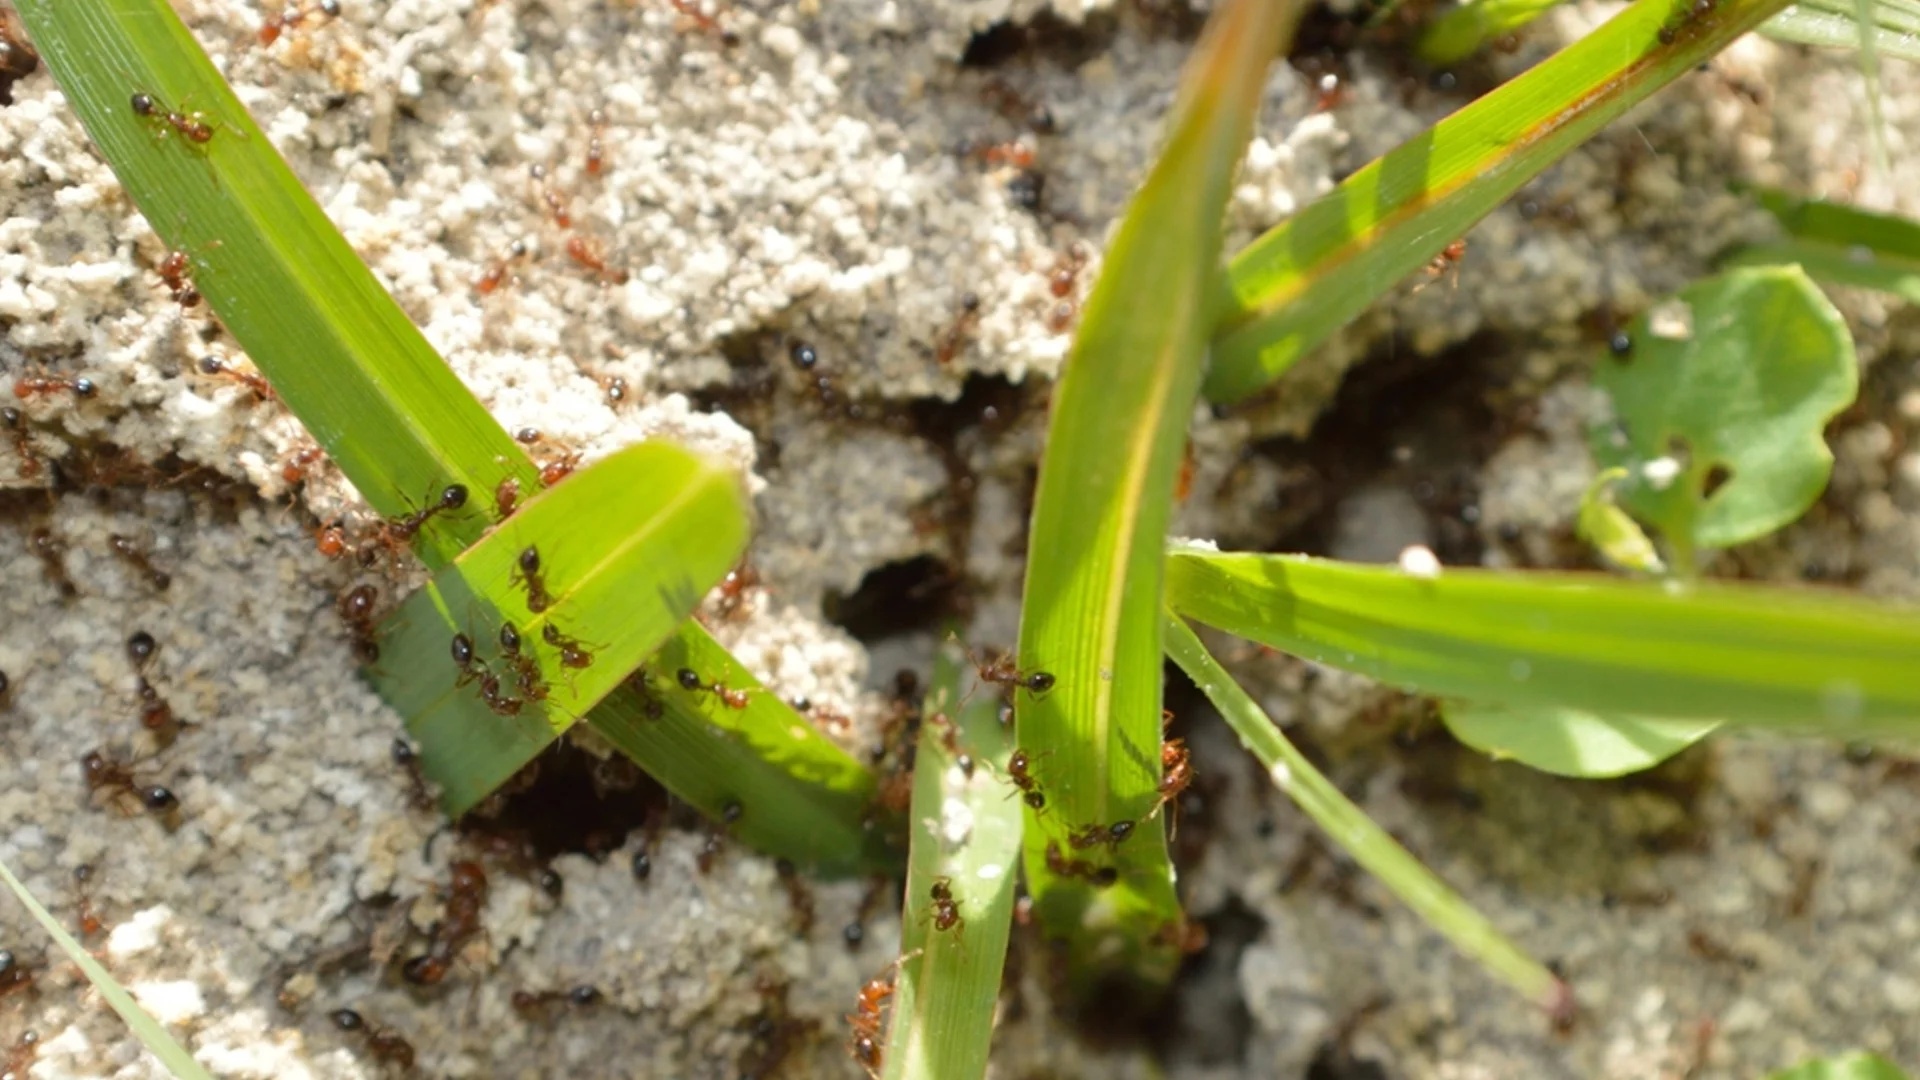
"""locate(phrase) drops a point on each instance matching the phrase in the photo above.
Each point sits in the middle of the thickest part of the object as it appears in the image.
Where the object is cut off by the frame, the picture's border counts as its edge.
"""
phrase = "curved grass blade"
(1788, 659)
(1091, 615)
(145, 1028)
(1359, 836)
(337, 349)
(1461, 31)
(1895, 26)
(966, 836)
(346, 360)
(1841, 245)
(1304, 279)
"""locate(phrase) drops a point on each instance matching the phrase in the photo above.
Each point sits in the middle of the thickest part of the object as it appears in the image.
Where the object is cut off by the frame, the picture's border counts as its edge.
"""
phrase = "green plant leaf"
(1835, 24)
(1611, 530)
(1841, 245)
(1091, 614)
(145, 1028)
(966, 836)
(1300, 282)
(1789, 659)
(1461, 31)
(1720, 405)
(1857, 266)
(1842, 226)
(1571, 742)
(1858, 1065)
(1358, 835)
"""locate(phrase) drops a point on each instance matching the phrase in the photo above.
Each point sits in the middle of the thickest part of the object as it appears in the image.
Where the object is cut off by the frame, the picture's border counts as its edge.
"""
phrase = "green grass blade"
(343, 356)
(1303, 280)
(1833, 23)
(145, 1028)
(1841, 245)
(647, 532)
(1091, 614)
(1785, 658)
(1359, 836)
(1859, 267)
(337, 349)
(1825, 222)
(967, 832)
(1858, 1065)
(1461, 31)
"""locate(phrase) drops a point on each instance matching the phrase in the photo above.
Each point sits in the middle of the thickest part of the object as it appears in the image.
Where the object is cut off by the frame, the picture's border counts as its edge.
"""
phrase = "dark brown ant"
(6, 692)
(946, 910)
(589, 253)
(31, 386)
(290, 19)
(385, 1045)
(525, 668)
(52, 556)
(1088, 836)
(532, 1004)
(130, 553)
(252, 380)
(733, 699)
(506, 498)
(1018, 767)
(460, 923)
(29, 466)
(116, 778)
(192, 126)
(408, 759)
(527, 573)
(1060, 864)
(497, 273)
(596, 143)
(357, 611)
(15, 977)
(86, 919)
(572, 653)
(730, 813)
(956, 334)
(867, 1021)
(173, 271)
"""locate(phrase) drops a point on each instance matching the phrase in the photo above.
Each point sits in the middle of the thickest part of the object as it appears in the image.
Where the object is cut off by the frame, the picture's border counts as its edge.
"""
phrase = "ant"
(87, 919)
(506, 498)
(1089, 835)
(21, 1055)
(733, 589)
(295, 465)
(572, 653)
(403, 530)
(556, 204)
(1176, 773)
(1061, 280)
(596, 147)
(733, 699)
(1001, 672)
(192, 126)
(1014, 153)
(31, 386)
(950, 742)
(1017, 771)
(866, 1044)
(1015, 106)
(533, 1003)
(1448, 259)
(946, 910)
(407, 758)
(458, 924)
(1059, 863)
(14, 975)
(100, 773)
(560, 468)
(155, 714)
(528, 574)
(130, 553)
(173, 272)
(29, 466)
(252, 380)
(291, 18)
(690, 10)
(356, 610)
(589, 253)
(526, 669)
(616, 388)
(387, 1046)
(6, 687)
(730, 814)
(496, 273)
(1329, 94)
(956, 334)
(51, 553)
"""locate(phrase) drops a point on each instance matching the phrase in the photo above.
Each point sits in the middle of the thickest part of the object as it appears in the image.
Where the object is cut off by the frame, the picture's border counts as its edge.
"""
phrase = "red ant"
(102, 774)
(946, 910)
(691, 680)
(130, 552)
(1059, 863)
(556, 204)
(533, 1003)
(21, 1055)
(1330, 94)
(588, 253)
(1448, 259)
(572, 653)
(527, 573)
(596, 148)
(52, 556)
(252, 380)
(506, 498)
(867, 1043)
(1112, 835)
(155, 714)
(560, 468)
(31, 386)
(496, 274)
(192, 126)
(466, 900)
(395, 534)
(690, 10)
(295, 464)
(950, 741)
(87, 920)
(386, 1045)
(1001, 672)
(1017, 771)
(173, 272)
(733, 589)
(356, 610)
(1176, 773)
(14, 975)
(405, 757)
(291, 18)
(1017, 154)
(29, 466)
(526, 669)
(956, 334)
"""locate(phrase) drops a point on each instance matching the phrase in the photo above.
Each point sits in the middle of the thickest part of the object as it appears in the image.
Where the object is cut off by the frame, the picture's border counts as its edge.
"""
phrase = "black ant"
(356, 610)
(1059, 863)
(130, 553)
(386, 1045)
(527, 573)
(102, 774)
(533, 1003)
(1089, 835)
(51, 553)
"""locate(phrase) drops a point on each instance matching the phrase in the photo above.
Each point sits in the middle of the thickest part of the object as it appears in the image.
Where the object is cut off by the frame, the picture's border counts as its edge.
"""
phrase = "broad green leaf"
(1859, 1065)
(1358, 835)
(1792, 659)
(966, 837)
(1834, 24)
(145, 1028)
(1571, 742)
(1299, 283)
(1091, 615)
(1720, 404)
(1461, 31)
(1610, 530)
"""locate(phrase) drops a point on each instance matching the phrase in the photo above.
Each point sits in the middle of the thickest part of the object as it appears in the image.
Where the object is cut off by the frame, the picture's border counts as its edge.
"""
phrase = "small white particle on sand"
(173, 1002)
(1419, 561)
(138, 934)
